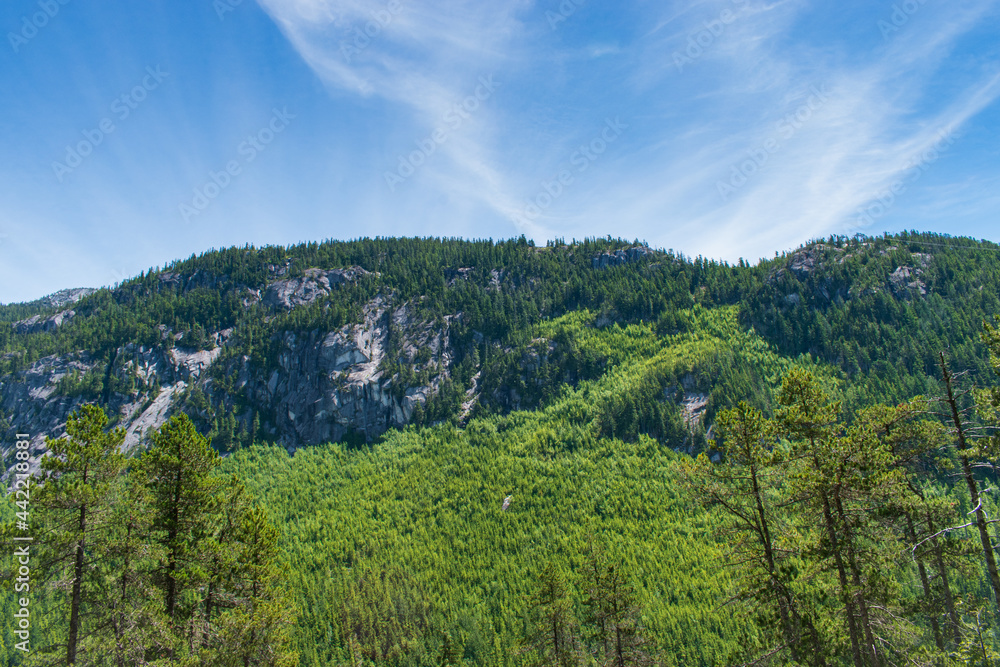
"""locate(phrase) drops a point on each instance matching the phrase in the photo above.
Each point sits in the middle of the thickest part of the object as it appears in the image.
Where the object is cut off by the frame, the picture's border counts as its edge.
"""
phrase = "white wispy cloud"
(425, 57)
(836, 129)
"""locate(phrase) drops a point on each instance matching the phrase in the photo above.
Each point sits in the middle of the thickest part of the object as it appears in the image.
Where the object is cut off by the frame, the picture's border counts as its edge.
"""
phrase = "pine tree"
(450, 652)
(964, 451)
(744, 487)
(75, 503)
(132, 613)
(177, 471)
(553, 635)
(917, 443)
(618, 638)
(846, 478)
(255, 630)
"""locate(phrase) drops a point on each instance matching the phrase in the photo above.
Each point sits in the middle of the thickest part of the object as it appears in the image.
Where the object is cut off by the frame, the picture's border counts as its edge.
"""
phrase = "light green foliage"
(401, 553)
(411, 531)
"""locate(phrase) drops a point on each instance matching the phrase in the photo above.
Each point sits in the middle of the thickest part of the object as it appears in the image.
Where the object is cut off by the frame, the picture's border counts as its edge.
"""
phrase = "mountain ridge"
(326, 341)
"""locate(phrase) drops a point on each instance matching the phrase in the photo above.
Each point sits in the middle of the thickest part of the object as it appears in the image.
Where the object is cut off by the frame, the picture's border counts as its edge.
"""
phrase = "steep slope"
(334, 340)
(420, 514)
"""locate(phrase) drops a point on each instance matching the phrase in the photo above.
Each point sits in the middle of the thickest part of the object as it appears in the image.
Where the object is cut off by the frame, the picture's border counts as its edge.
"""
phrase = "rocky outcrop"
(198, 279)
(314, 284)
(804, 262)
(320, 386)
(619, 257)
(38, 324)
(66, 297)
(328, 384)
(31, 405)
(188, 365)
(905, 280)
(147, 418)
(454, 275)
(31, 401)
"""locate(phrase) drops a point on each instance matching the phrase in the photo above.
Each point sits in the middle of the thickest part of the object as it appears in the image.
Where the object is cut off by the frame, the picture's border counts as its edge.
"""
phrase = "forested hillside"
(498, 454)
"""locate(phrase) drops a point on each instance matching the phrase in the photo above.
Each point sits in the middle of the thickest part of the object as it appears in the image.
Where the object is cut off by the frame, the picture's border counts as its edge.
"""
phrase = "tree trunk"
(785, 607)
(949, 599)
(871, 650)
(74, 613)
(926, 585)
(984, 536)
(172, 535)
(848, 599)
(119, 625)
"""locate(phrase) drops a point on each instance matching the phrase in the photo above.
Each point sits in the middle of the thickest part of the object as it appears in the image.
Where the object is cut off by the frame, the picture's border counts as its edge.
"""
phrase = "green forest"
(831, 504)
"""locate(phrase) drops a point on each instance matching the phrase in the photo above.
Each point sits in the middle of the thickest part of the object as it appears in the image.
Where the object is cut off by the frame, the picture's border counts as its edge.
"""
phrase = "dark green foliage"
(88, 386)
(553, 633)
(159, 563)
(847, 302)
(589, 381)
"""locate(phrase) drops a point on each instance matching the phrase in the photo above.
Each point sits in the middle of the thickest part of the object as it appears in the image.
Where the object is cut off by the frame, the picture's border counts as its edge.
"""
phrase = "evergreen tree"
(132, 618)
(450, 652)
(846, 479)
(613, 614)
(177, 471)
(965, 450)
(255, 630)
(74, 504)
(745, 486)
(553, 635)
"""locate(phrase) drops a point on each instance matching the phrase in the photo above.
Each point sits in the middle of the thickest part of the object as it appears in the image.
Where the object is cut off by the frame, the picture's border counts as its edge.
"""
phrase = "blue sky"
(135, 133)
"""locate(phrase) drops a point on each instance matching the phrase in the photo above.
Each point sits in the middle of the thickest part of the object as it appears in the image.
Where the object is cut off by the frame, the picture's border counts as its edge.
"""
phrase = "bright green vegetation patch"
(413, 528)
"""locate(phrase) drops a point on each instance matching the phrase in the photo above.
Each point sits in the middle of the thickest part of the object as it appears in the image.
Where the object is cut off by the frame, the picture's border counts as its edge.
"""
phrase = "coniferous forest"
(629, 457)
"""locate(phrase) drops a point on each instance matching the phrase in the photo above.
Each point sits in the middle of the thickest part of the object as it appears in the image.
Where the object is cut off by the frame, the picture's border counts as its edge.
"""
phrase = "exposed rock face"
(150, 419)
(197, 279)
(31, 405)
(37, 323)
(803, 262)
(619, 257)
(321, 386)
(807, 264)
(314, 284)
(906, 278)
(328, 384)
(66, 297)
(454, 275)
(189, 364)
(31, 402)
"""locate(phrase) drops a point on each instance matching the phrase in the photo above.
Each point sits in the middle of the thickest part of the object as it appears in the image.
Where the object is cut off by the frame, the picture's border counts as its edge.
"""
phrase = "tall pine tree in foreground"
(746, 486)
(75, 504)
(163, 564)
(177, 471)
